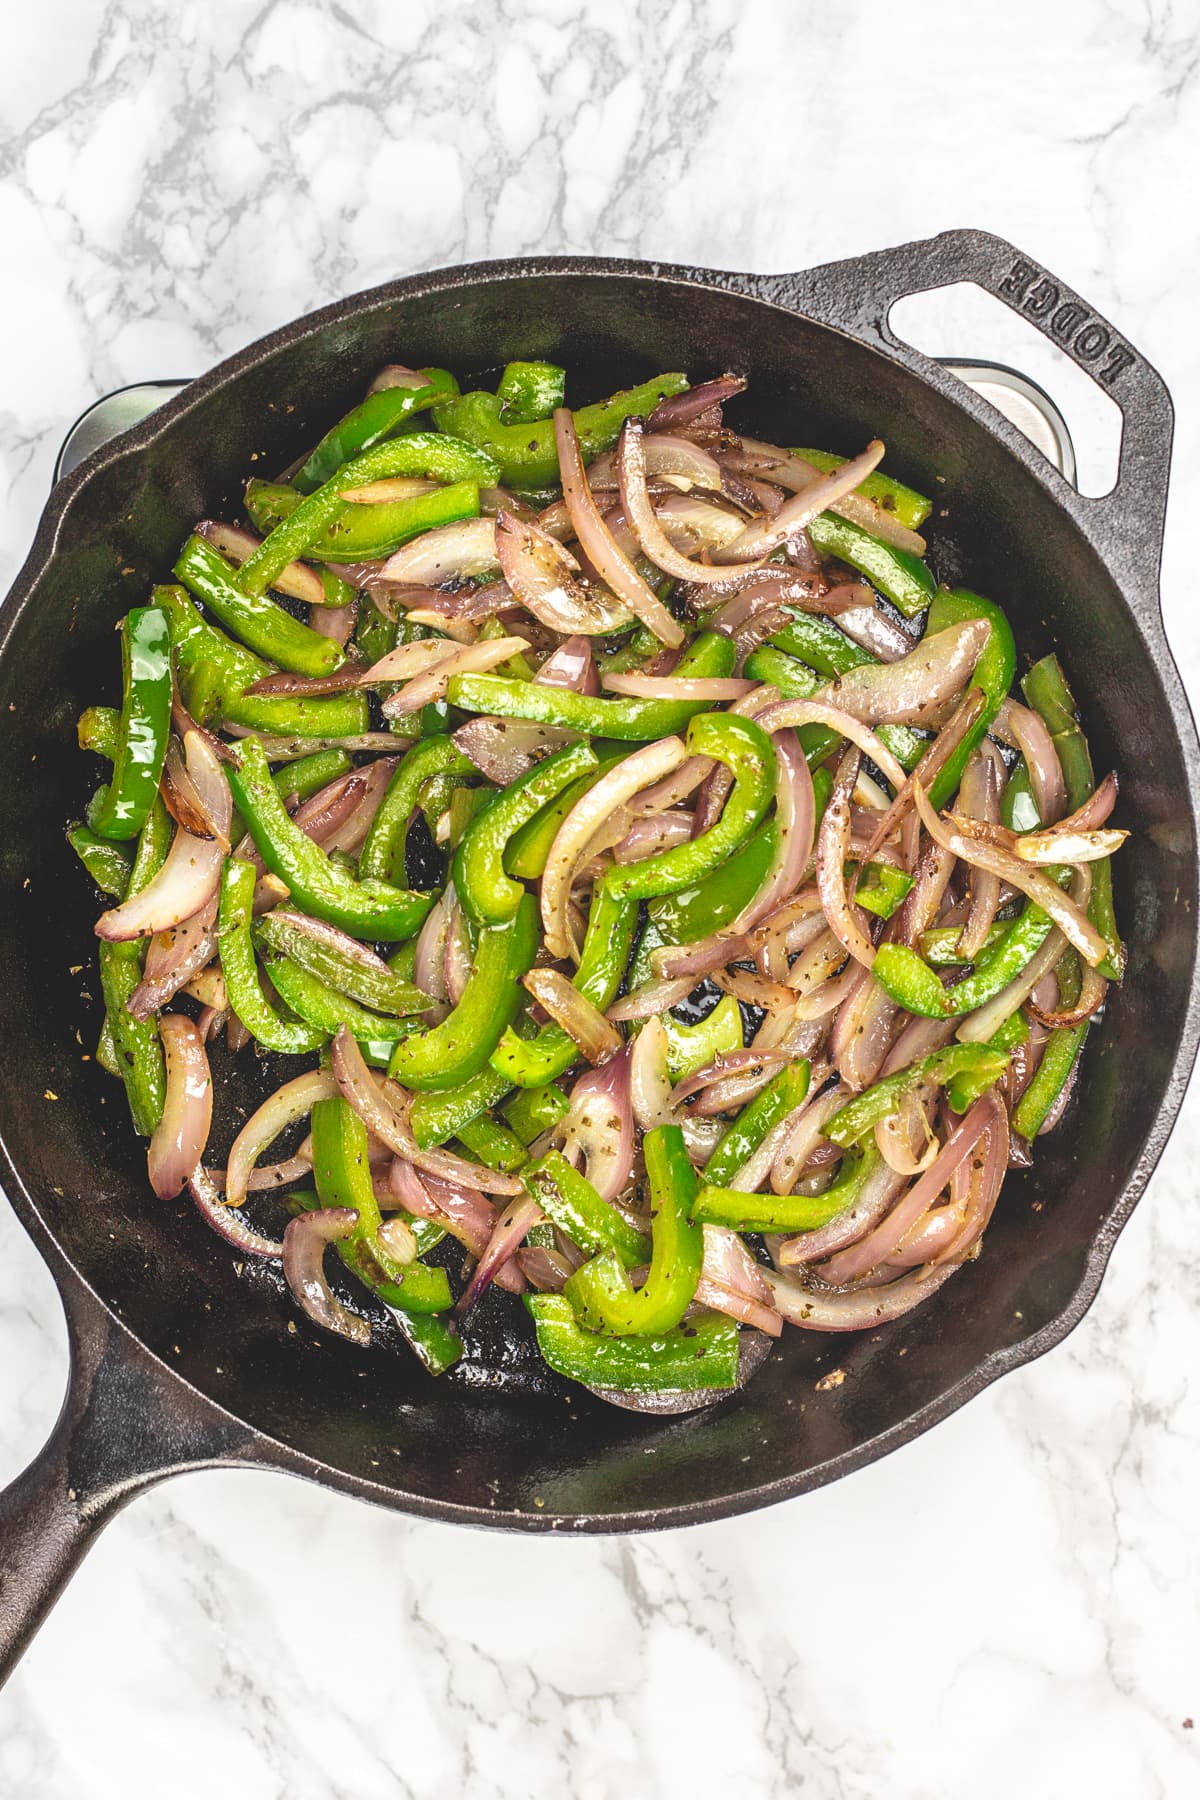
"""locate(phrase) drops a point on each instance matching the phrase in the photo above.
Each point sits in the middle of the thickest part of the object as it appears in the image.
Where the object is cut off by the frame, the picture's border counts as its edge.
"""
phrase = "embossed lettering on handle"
(1081, 334)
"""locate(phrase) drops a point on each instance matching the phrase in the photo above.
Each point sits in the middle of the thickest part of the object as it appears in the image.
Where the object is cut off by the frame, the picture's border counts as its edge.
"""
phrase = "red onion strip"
(179, 1139)
(293, 1101)
(304, 1245)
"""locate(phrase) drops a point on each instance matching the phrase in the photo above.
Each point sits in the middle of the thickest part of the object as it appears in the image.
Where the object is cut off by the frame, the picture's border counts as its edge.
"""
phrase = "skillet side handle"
(125, 1425)
(857, 296)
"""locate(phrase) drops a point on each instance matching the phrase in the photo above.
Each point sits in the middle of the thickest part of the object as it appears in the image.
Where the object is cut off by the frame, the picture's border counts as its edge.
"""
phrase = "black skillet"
(180, 1359)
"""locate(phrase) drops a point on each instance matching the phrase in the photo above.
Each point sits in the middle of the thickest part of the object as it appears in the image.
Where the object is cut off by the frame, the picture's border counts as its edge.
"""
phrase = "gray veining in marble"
(1007, 1607)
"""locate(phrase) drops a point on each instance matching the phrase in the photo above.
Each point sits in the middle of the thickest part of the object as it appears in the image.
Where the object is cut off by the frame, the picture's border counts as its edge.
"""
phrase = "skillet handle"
(125, 1424)
(857, 295)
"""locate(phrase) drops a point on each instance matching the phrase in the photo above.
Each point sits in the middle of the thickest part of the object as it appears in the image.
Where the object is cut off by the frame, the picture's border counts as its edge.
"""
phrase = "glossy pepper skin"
(571, 1202)
(746, 750)
(366, 529)
(132, 1047)
(703, 1354)
(255, 619)
(529, 848)
(525, 453)
(601, 1290)
(739, 1211)
(372, 910)
(380, 989)
(488, 895)
(213, 674)
(780, 1097)
(327, 1010)
(120, 809)
(994, 674)
(899, 575)
(436, 1117)
(696, 912)
(627, 719)
(531, 1062)
(383, 853)
(343, 1177)
(424, 453)
(861, 1115)
(107, 864)
(530, 1111)
(290, 1037)
(461, 1045)
(369, 423)
(529, 391)
(1058, 1059)
(493, 1144)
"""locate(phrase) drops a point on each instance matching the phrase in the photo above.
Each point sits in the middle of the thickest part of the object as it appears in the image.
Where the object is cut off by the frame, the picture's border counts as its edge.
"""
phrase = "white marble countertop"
(171, 187)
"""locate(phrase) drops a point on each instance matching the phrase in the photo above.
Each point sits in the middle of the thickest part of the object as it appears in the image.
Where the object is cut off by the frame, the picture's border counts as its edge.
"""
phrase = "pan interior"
(500, 1437)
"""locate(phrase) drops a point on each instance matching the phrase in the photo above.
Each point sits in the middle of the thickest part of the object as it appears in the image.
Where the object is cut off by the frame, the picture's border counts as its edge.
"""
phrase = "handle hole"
(964, 321)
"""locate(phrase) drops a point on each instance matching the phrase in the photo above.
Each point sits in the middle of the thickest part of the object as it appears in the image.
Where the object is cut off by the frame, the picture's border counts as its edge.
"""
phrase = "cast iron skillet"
(179, 1360)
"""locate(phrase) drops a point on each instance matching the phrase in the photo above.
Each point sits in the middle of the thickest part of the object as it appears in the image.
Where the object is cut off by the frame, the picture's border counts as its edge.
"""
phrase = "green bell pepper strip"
(427, 1233)
(526, 454)
(312, 526)
(883, 889)
(696, 912)
(780, 1097)
(437, 1117)
(628, 719)
(641, 969)
(962, 1090)
(529, 391)
(465, 806)
(530, 1111)
(308, 773)
(911, 982)
(380, 989)
(692, 1047)
(246, 997)
(1018, 808)
(213, 674)
(1058, 1059)
(367, 424)
(601, 1290)
(121, 808)
(746, 750)
(1045, 688)
(254, 619)
(327, 1010)
(906, 506)
(436, 1347)
(99, 730)
(132, 1046)
(363, 530)
(939, 946)
(374, 633)
(994, 674)
(819, 643)
(899, 575)
(796, 681)
(461, 1045)
(572, 1203)
(108, 864)
(531, 1062)
(382, 857)
(343, 1177)
(368, 909)
(487, 894)
(529, 848)
(700, 1355)
(852, 1122)
(493, 1144)
(739, 1211)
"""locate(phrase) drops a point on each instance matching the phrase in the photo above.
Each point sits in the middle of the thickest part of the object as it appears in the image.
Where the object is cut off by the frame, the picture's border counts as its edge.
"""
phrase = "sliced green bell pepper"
(380, 989)
(913, 984)
(530, 1111)
(327, 1010)
(369, 423)
(254, 619)
(700, 1355)
(979, 1062)
(994, 674)
(1058, 1059)
(382, 857)
(529, 848)
(487, 894)
(437, 1117)
(246, 997)
(108, 864)
(906, 506)
(602, 1291)
(526, 453)
(739, 1211)
(696, 912)
(529, 391)
(461, 1045)
(796, 681)
(899, 575)
(692, 1047)
(882, 889)
(780, 1097)
(132, 1046)
(572, 1203)
(363, 530)
(120, 809)
(493, 1144)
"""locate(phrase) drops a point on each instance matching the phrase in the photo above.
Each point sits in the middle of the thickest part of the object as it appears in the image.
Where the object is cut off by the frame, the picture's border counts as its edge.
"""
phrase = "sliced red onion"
(1092, 990)
(792, 471)
(173, 957)
(192, 870)
(867, 626)
(596, 540)
(978, 1187)
(564, 1003)
(795, 812)
(334, 622)
(503, 749)
(678, 687)
(919, 1038)
(543, 577)
(638, 508)
(686, 408)
(447, 553)
(397, 375)
(875, 1197)
(358, 574)
(863, 1310)
(226, 1221)
(648, 837)
(282, 681)
(804, 1135)
(512, 1227)
(571, 846)
(1064, 846)
(600, 1124)
(1071, 920)
(861, 1034)
(910, 691)
(694, 961)
(180, 1136)
(755, 990)
(304, 1245)
(753, 1174)
(183, 799)
(833, 849)
(390, 487)
(468, 659)
(783, 713)
(571, 666)
(291, 749)
(293, 1101)
(1029, 732)
(652, 998)
(762, 536)
(429, 963)
(904, 1139)
(457, 950)
(979, 798)
(732, 1282)
(349, 834)
(965, 716)
(237, 545)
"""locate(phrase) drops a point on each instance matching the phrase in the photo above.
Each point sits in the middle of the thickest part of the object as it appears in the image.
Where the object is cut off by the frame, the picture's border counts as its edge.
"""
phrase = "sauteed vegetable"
(651, 876)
